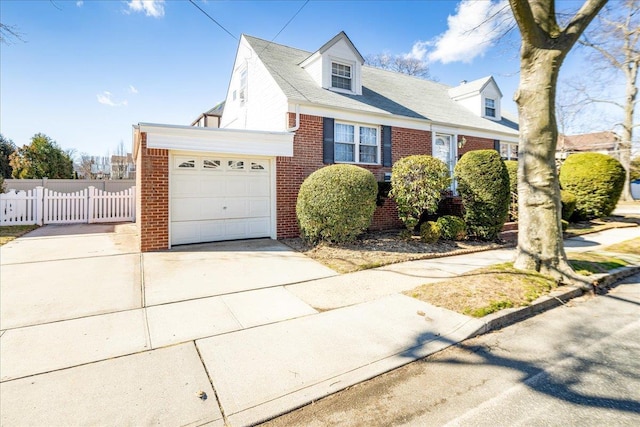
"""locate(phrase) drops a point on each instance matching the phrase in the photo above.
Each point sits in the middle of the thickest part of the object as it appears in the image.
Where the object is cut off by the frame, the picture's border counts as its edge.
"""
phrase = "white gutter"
(297, 125)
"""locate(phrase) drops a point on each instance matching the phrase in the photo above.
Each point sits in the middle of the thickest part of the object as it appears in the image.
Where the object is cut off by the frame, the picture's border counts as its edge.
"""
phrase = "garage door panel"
(229, 201)
(258, 207)
(184, 186)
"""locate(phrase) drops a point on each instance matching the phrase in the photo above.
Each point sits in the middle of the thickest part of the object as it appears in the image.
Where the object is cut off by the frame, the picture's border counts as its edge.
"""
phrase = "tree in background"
(43, 158)
(7, 148)
(399, 63)
(545, 45)
(614, 42)
(85, 166)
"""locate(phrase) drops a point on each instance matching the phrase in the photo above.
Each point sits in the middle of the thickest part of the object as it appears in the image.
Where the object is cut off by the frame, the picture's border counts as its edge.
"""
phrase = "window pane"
(368, 136)
(344, 152)
(368, 154)
(343, 133)
(340, 70)
(341, 82)
(489, 103)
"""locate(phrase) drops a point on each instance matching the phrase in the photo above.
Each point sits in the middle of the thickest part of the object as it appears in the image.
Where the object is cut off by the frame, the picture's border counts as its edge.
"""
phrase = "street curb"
(602, 283)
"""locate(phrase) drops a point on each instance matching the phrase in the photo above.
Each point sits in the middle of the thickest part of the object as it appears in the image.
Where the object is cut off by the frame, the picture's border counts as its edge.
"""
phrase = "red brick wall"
(153, 197)
(307, 158)
(475, 143)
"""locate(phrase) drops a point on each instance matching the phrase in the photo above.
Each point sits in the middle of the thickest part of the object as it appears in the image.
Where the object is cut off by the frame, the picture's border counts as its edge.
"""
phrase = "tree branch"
(582, 18)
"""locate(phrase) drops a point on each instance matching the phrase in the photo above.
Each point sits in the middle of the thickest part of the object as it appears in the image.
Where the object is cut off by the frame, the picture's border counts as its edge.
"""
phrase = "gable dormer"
(481, 96)
(336, 66)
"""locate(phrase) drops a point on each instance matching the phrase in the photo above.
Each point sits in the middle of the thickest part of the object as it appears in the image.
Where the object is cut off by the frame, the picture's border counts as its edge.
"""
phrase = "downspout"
(297, 125)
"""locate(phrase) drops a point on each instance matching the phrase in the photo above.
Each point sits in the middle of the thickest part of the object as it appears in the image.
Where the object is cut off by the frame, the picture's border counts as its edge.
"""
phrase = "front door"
(444, 148)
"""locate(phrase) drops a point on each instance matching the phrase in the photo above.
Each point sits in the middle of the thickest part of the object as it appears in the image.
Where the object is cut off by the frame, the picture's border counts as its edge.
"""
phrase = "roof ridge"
(247, 36)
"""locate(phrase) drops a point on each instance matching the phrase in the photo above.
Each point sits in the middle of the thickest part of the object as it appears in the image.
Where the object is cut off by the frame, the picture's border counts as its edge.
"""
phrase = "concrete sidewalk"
(186, 347)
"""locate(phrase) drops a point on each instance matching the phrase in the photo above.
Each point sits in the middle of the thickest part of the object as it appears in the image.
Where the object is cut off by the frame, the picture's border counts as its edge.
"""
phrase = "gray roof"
(217, 110)
(384, 92)
(474, 86)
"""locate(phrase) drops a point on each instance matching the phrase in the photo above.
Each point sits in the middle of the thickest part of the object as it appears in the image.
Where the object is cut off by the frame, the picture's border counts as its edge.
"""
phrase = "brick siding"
(153, 197)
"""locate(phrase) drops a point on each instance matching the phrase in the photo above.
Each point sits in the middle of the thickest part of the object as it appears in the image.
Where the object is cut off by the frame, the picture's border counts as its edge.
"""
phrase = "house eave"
(222, 141)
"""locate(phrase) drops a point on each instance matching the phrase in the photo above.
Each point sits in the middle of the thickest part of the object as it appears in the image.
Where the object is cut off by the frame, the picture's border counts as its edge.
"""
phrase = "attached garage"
(206, 184)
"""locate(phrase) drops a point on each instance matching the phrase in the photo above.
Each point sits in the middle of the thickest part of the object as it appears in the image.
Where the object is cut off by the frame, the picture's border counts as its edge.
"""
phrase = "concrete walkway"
(93, 332)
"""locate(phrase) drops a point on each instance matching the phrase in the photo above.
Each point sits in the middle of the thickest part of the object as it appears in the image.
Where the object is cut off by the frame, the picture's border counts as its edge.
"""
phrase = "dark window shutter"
(496, 145)
(386, 146)
(327, 140)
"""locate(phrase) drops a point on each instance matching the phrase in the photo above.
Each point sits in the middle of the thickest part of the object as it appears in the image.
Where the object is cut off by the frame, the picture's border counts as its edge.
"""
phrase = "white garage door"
(219, 198)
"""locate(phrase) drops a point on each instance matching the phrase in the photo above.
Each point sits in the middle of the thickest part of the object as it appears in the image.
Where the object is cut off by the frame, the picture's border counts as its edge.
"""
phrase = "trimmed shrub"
(568, 204)
(596, 180)
(565, 224)
(483, 184)
(452, 227)
(336, 203)
(417, 183)
(429, 232)
(512, 169)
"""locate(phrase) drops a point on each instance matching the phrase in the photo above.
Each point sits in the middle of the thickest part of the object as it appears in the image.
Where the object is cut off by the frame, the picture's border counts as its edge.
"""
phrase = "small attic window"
(489, 107)
(340, 76)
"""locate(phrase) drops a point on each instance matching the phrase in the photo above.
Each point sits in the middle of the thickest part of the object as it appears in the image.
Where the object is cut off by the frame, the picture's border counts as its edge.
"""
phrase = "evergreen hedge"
(336, 203)
(596, 180)
(483, 184)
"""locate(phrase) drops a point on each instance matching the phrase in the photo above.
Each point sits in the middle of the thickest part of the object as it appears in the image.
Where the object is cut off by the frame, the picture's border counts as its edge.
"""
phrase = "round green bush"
(512, 169)
(596, 180)
(483, 184)
(568, 200)
(430, 232)
(452, 227)
(417, 183)
(336, 203)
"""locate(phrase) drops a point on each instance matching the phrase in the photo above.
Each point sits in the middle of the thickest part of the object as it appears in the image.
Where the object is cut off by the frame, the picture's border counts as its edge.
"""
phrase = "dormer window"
(340, 76)
(489, 107)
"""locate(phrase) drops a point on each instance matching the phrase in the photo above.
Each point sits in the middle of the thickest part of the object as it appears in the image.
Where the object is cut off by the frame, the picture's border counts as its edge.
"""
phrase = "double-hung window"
(340, 76)
(356, 143)
(508, 151)
(489, 107)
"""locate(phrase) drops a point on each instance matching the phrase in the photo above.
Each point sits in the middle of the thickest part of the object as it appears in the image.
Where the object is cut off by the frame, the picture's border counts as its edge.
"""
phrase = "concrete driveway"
(85, 288)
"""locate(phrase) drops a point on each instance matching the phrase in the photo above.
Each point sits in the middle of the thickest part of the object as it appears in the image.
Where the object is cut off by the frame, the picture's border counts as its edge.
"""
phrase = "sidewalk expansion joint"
(213, 387)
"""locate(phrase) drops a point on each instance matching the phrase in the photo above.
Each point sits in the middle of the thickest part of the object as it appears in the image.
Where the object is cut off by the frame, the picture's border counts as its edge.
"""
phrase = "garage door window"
(211, 164)
(256, 166)
(186, 164)
(236, 165)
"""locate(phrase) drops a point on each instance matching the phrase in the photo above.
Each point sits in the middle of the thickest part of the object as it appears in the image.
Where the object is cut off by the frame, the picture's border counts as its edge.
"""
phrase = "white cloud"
(472, 31)
(79, 3)
(133, 89)
(153, 8)
(106, 98)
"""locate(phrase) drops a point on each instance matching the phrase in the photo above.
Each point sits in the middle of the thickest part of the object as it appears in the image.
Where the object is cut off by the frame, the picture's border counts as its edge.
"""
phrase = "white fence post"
(90, 202)
(38, 206)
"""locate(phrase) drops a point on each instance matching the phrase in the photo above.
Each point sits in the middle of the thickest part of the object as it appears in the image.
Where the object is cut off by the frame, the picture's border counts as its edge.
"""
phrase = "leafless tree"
(546, 41)
(85, 166)
(399, 63)
(9, 34)
(119, 162)
(614, 40)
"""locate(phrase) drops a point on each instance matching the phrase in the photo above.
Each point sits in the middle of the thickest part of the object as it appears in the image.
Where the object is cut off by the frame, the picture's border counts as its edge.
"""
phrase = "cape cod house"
(289, 112)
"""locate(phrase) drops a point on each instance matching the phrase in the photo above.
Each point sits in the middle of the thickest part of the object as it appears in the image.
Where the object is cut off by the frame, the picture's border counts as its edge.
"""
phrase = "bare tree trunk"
(540, 245)
(544, 47)
(631, 93)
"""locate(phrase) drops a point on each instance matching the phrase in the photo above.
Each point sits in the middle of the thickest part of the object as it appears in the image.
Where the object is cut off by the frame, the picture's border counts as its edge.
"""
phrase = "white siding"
(314, 68)
(492, 92)
(341, 52)
(265, 105)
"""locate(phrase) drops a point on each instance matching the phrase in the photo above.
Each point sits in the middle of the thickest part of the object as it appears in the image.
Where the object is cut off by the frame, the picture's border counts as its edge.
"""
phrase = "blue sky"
(88, 70)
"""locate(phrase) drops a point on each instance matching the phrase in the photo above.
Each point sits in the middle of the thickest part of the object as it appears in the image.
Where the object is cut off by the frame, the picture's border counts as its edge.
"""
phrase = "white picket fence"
(44, 206)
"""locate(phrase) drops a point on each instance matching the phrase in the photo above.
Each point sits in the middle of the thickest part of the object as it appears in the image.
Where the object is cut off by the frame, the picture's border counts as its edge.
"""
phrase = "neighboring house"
(597, 142)
(211, 118)
(123, 167)
(289, 112)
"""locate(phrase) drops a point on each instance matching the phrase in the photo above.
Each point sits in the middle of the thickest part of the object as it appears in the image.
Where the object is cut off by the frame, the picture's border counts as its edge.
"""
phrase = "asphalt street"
(578, 364)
